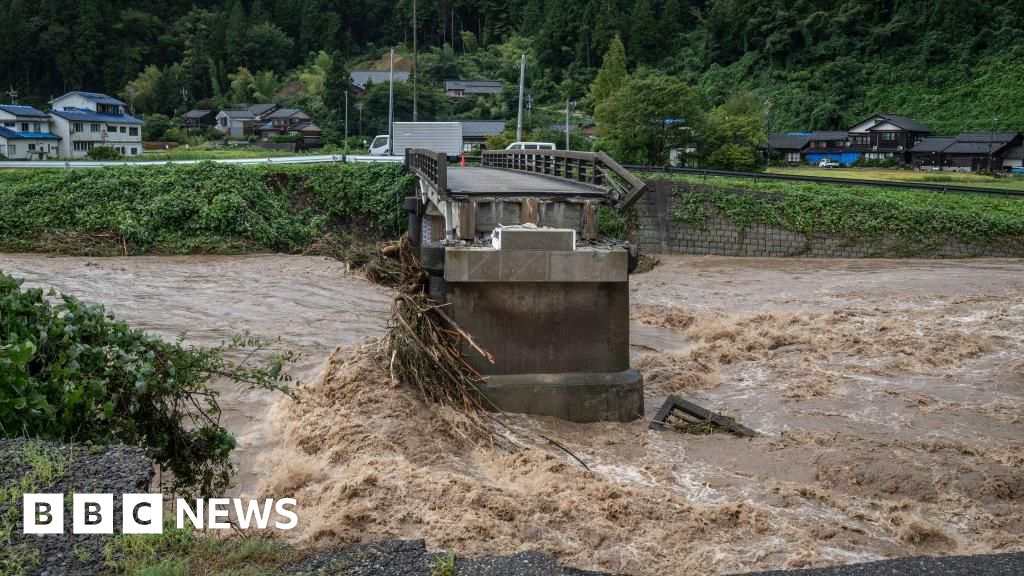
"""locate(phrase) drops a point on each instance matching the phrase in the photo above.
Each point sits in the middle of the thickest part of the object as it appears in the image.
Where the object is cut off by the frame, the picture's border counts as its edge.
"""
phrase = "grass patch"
(41, 468)
(896, 175)
(186, 552)
(210, 153)
(443, 565)
(913, 222)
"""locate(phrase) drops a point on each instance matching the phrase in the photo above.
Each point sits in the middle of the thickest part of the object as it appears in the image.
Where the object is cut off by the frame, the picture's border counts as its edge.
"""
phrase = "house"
(85, 120)
(975, 151)
(788, 146)
(310, 132)
(25, 133)
(291, 122)
(476, 132)
(361, 79)
(832, 144)
(194, 119)
(281, 122)
(261, 111)
(235, 123)
(927, 154)
(884, 135)
(1013, 159)
(460, 88)
(969, 152)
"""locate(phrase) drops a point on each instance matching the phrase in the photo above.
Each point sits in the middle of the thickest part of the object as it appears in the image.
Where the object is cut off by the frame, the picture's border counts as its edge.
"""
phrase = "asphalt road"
(982, 565)
(411, 558)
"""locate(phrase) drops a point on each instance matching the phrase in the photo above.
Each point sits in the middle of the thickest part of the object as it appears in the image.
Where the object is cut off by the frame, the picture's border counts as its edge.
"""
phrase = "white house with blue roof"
(25, 133)
(86, 120)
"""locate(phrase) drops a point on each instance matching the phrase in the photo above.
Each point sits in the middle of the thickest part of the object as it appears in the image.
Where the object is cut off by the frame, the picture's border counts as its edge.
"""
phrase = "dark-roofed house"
(460, 88)
(974, 151)
(787, 146)
(475, 132)
(1013, 159)
(87, 120)
(261, 111)
(830, 144)
(886, 135)
(282, 121)
(235, 123)
(25, 133)
(291, 122)
(198, 119)
(927, 154)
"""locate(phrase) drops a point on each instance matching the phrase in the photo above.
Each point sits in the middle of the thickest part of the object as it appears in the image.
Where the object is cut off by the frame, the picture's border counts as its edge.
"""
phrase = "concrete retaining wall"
(660, 232)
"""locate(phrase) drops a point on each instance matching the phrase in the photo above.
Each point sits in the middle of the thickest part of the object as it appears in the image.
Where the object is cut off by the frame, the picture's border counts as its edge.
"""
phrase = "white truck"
(438, 136)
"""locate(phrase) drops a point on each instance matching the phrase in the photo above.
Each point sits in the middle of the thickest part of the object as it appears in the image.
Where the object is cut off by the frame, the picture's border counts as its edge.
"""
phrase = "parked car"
(828, 163)
(531, 146)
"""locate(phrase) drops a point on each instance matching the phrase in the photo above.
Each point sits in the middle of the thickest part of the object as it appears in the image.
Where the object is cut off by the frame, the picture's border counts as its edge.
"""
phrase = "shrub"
(73, 372)
(103, 153)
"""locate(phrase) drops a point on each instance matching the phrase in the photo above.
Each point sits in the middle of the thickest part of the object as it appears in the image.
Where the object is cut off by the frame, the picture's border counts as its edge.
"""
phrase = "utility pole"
(346, 117)
(991, 137)
(415, 61)
(768, 127)
(522, 81)
(184, 106)
(391, 105)
(569, 104)
(14, 95)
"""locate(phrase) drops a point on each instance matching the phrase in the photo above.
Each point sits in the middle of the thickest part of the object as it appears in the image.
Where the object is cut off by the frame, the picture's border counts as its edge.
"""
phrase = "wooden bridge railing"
(597, 169)
(430, 166)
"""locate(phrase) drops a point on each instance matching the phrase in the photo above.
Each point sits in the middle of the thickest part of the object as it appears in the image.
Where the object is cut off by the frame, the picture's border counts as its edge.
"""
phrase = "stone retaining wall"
(660, 232)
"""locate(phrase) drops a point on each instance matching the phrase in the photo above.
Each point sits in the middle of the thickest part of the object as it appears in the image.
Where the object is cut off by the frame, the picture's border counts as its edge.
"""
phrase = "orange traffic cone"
(463, 161)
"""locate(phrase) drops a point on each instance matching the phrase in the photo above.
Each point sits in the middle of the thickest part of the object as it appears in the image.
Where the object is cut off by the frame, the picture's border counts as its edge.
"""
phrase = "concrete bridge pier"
(554, 316)
(557, 323)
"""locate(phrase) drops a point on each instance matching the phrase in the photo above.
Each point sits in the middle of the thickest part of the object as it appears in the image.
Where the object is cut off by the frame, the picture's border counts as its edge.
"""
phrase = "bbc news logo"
(144, 513)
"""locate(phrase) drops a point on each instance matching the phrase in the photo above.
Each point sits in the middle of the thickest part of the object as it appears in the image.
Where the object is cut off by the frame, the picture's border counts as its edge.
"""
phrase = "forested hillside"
(821, 64)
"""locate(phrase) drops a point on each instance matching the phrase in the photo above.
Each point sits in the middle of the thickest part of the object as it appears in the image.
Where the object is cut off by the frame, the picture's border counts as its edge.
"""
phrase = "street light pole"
(522, 81)
(568, 108)
(391, 104)
(415, 61)
(991, 137)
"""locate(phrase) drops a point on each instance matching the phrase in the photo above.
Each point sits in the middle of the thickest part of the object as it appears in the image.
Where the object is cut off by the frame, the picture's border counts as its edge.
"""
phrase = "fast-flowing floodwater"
(889, 394)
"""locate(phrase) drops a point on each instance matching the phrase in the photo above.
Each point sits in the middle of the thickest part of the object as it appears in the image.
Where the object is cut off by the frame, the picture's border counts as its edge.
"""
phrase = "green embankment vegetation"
(200, 208)
(894, 175)
(913, 219)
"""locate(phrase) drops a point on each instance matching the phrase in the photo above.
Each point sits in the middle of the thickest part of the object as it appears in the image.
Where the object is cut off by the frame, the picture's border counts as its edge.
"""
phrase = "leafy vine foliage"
(73, 372)
(204, 207)
(916, 220)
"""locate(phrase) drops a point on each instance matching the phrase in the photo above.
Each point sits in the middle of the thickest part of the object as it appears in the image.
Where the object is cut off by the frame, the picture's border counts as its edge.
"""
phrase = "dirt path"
(889, 393)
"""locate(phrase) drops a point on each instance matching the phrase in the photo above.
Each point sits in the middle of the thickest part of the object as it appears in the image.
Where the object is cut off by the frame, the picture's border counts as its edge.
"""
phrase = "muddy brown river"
(888, 395)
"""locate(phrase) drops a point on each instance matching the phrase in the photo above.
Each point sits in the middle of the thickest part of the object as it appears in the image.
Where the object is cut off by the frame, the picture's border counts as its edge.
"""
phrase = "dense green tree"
(650, 114)
(612, 74)
(733, 132)
(337, 89)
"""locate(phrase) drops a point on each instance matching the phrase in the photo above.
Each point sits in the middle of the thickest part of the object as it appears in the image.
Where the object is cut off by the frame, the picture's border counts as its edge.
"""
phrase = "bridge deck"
(494, 181)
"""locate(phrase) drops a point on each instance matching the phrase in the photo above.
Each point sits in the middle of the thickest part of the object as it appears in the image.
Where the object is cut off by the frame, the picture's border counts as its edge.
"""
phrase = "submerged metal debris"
(679, 413)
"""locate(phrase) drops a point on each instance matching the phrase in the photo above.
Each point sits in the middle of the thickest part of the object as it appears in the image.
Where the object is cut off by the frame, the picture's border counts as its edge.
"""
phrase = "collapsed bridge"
(506, 245)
